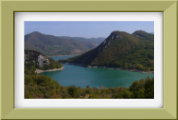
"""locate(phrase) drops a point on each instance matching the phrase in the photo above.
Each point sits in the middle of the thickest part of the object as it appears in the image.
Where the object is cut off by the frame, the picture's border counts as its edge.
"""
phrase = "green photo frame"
(7, 56)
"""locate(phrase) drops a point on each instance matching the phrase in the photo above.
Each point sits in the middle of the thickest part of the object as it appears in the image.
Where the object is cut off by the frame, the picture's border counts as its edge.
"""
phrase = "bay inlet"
(94, 77)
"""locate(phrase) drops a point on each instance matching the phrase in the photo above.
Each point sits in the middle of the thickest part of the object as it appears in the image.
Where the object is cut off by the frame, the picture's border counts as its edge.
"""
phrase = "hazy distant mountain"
(52, 45)
(95, 41)
(121, 49)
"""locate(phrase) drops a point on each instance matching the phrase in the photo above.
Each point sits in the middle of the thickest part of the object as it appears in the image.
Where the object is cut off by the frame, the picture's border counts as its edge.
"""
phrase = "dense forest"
(121, 49)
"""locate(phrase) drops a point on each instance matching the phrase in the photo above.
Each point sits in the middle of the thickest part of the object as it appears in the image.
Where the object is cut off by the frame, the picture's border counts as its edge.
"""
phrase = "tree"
(73, 91)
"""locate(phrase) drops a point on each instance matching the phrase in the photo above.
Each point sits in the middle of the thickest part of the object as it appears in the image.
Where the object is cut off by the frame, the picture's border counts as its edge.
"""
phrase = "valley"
(120, 66)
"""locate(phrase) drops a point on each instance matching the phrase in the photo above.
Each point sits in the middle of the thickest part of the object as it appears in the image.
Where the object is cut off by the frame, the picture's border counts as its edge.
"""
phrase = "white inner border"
(20, 102)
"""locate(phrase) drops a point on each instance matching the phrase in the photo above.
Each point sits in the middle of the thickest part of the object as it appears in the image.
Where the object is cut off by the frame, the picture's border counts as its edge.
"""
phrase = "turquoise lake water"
(94, 77)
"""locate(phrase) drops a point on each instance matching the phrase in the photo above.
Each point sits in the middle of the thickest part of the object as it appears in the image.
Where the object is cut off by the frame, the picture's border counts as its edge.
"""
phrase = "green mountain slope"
(52, 45)
(123, 50)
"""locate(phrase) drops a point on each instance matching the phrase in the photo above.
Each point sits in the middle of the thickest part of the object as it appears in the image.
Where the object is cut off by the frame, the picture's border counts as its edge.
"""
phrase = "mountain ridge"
(123, 50)
(52, 45)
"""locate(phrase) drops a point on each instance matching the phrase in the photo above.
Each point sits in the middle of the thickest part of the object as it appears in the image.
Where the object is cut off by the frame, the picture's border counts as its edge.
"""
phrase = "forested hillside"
(52, 45)
(123, 50)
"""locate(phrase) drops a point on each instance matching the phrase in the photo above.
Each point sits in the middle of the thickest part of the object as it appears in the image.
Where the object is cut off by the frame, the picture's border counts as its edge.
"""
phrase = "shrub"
(73, 91)
(88, 91)
(46, 95)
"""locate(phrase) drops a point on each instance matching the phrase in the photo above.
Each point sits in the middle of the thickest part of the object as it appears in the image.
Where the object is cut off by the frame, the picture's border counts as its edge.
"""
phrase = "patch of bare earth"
(76, 51)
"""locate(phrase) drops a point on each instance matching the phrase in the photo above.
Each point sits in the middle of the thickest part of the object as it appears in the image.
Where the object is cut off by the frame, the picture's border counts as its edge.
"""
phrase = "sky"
(87, 29)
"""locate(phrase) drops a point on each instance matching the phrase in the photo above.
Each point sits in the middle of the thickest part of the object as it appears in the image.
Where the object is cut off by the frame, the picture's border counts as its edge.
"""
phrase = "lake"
(94, 77)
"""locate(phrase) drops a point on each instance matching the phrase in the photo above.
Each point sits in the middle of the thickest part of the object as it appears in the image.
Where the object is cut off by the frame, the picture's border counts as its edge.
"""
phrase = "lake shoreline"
(88, 66)
(55, 69)
(63, 55)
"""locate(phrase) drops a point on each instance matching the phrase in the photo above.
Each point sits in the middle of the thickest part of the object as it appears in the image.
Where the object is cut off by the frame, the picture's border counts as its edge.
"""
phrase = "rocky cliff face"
(39, 60)
(43, 60)
(36, 57)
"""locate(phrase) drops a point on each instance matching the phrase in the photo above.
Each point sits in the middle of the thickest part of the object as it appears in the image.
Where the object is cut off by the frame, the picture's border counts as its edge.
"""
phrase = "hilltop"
(59, 45)
(123, 50)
